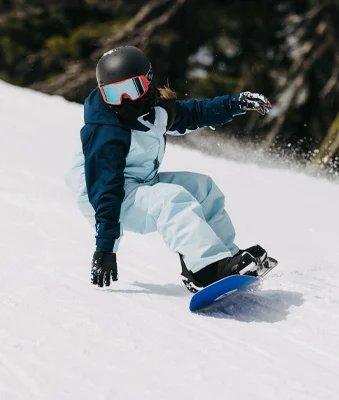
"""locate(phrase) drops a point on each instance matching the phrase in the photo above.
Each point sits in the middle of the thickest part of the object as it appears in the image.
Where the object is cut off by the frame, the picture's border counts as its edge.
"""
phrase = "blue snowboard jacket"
(115, 152)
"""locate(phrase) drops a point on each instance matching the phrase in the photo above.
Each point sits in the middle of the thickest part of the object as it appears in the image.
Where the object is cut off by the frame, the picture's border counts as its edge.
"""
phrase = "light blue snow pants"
(187, 209)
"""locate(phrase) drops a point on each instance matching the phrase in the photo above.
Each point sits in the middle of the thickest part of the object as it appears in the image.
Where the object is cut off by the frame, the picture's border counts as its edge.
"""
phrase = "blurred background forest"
(287, 50)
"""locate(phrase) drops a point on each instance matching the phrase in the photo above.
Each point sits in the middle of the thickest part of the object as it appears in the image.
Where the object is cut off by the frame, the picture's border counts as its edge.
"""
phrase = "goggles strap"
(139, 86)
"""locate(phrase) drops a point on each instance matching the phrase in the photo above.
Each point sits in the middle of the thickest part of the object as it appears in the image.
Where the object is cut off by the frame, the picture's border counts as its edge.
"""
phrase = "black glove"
(104, 265)
(254, 101)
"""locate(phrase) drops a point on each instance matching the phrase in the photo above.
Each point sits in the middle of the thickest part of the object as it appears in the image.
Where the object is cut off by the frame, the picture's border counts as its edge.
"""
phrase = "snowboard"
(226, 287)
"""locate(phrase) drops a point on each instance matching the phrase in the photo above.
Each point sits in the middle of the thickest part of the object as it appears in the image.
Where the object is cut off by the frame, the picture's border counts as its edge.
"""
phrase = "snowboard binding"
(252, 261)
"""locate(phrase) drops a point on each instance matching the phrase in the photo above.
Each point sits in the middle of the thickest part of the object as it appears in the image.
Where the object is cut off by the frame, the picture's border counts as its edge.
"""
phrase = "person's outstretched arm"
(193, 114)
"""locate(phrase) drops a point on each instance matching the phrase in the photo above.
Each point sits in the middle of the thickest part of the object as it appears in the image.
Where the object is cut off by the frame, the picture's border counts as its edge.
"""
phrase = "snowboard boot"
(252, 261)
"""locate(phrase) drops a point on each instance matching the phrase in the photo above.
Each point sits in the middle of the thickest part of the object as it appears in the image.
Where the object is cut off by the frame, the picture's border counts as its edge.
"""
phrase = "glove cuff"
(235, 105)
(101, 250)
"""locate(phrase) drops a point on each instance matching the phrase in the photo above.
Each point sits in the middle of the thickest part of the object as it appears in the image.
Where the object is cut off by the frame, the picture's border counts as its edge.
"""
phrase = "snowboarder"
(118, 186)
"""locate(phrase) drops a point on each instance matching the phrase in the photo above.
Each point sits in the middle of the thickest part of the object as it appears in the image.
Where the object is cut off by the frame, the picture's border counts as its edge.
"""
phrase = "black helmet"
(122, 63)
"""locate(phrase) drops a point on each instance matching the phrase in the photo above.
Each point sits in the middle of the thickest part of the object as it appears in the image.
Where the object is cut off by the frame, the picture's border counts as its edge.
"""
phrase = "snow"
(61, 338)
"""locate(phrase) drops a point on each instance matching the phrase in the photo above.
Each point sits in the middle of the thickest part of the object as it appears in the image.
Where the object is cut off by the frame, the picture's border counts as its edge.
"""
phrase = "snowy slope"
(63, 339)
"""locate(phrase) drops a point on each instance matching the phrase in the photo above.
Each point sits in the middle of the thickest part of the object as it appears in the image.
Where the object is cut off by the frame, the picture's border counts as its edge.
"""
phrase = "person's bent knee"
(172, 198)
(213, 191)
(178, 195)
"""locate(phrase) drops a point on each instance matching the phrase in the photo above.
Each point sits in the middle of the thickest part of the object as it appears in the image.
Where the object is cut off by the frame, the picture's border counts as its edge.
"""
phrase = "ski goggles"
(131, 88)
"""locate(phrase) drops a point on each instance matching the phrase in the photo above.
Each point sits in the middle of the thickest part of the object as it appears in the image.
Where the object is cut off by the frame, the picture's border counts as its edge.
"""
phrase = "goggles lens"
(132, 88)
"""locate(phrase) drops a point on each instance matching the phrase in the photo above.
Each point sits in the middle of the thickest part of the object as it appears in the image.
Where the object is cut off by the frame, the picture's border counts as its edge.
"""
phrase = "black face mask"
(130, 110)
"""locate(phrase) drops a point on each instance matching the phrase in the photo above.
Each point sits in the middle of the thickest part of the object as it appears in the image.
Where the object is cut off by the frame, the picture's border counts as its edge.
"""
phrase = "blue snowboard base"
(219, 289)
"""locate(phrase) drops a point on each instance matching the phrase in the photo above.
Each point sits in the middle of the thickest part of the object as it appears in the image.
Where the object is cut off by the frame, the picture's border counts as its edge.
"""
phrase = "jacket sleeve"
(193, 114)
(105, 149)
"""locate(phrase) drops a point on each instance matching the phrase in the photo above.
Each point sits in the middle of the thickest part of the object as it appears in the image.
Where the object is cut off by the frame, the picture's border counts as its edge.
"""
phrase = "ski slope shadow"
(251, 306)
(169, 289)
